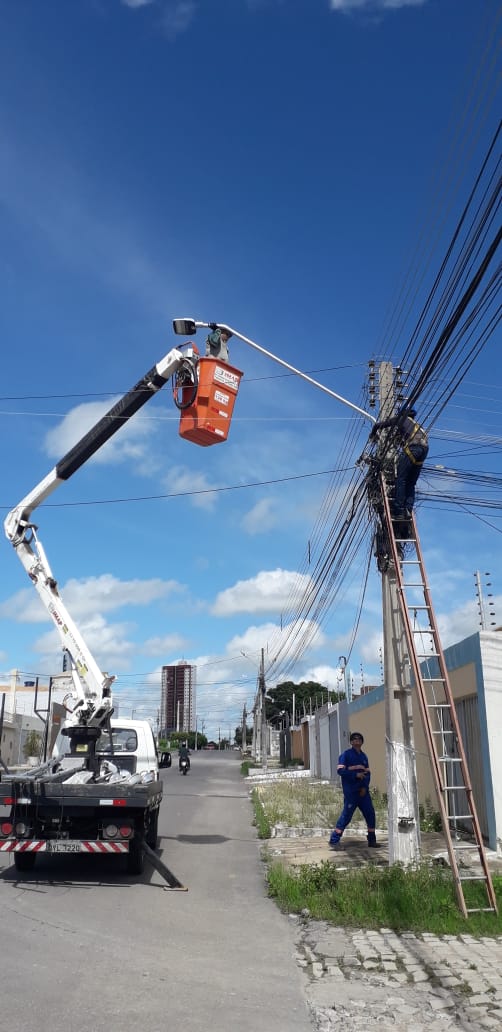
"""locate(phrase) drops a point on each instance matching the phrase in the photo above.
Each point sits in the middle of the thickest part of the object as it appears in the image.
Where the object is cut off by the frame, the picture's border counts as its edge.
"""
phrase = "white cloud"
(178, 17)
(369, 646)
(268, 592)
(129, 442)
(89, 595)
(166, 645)
(330, 677)
(109, 644)
(464, 621)
(137, 3)
(183, 480)
(260, 518)
(347, 6)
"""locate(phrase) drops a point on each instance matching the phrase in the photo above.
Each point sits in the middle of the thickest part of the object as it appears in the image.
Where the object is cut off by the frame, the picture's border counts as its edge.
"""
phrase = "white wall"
(491, 732)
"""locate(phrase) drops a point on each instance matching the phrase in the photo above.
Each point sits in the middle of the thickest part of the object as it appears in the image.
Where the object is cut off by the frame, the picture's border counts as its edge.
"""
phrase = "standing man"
(217, 345)
(414, 449)
(354, 770)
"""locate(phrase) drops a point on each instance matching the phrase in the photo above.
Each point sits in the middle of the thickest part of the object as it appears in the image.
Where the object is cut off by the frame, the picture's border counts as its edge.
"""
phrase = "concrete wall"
(490, 720)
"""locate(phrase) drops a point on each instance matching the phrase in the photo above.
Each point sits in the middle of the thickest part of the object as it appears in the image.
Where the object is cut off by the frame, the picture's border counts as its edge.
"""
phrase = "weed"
(419, 899)
(260, 818)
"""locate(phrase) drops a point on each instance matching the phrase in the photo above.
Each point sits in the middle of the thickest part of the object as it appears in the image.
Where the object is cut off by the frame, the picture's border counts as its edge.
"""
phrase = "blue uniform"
(355, 793)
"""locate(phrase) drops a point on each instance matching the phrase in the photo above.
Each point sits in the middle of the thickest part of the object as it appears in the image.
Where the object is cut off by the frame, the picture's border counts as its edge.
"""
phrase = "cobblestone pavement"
(357, 980)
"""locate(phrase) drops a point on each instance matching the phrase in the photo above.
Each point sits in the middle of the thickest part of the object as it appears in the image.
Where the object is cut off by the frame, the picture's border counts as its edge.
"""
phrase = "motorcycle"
(184, 766)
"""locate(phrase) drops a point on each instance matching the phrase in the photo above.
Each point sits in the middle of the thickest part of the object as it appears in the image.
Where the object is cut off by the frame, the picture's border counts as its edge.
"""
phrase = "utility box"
(207, 420)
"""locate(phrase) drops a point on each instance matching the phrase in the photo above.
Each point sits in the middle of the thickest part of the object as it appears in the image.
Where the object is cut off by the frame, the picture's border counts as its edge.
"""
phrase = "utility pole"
(404, 818)
(196, 720)
(244, 730)
(263, 716)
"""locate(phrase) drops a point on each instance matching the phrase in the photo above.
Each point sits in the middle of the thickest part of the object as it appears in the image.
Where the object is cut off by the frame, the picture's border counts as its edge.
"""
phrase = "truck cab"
(130, 746)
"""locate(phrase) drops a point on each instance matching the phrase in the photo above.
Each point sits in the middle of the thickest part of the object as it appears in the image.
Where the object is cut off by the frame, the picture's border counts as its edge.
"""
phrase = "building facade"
(178, 698)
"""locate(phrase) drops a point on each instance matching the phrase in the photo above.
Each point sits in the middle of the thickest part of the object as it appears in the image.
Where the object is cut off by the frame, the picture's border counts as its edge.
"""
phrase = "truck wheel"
(136, 857)
(151, 835)
(24, 861)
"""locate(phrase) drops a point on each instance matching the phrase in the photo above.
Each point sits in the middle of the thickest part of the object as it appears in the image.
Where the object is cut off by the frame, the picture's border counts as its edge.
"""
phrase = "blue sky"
(267, 164)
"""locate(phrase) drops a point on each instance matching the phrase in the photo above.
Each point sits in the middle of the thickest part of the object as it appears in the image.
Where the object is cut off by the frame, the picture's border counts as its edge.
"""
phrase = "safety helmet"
(356, 734)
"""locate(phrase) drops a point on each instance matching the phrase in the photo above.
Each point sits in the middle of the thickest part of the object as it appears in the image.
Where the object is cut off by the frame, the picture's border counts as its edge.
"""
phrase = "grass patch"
(246, 766)
(260, 818)
(308, 804)
(418, 900)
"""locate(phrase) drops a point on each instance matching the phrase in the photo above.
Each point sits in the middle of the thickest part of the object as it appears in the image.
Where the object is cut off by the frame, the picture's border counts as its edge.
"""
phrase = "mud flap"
(170, 878)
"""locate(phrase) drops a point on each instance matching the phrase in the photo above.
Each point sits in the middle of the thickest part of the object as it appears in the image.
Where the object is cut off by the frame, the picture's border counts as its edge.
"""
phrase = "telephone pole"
(402, 789)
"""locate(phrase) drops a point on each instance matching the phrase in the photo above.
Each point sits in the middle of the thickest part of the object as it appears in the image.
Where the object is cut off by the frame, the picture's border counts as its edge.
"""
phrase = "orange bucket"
(207, 420)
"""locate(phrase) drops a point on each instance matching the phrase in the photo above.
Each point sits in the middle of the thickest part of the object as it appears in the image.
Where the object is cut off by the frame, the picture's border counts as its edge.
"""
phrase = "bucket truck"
(100, 791)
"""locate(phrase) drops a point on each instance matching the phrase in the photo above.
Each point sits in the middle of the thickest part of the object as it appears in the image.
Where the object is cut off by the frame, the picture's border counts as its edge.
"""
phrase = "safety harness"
(417, 436)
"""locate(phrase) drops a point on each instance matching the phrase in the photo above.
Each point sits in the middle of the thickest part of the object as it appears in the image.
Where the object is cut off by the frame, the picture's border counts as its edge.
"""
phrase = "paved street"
(124, 953)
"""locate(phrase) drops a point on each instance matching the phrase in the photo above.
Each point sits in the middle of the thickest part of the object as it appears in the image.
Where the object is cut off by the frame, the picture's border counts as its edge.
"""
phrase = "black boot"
(372, 842)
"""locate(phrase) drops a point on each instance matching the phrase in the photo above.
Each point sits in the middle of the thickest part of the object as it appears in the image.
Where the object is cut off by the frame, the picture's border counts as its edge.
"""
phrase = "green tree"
(32, 744)
(309, 695)
(174, 740)
(238, 736)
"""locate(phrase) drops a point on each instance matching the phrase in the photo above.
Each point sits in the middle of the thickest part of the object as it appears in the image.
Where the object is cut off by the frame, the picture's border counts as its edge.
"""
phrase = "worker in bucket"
(217, 345)
(414, 446)
(354, 770)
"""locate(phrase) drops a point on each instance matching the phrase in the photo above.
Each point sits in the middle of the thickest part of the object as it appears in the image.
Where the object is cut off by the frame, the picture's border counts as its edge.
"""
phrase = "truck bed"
(51, 792)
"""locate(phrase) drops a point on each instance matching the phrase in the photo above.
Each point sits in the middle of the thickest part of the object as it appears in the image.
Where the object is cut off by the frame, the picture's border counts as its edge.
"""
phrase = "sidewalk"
(357, 979)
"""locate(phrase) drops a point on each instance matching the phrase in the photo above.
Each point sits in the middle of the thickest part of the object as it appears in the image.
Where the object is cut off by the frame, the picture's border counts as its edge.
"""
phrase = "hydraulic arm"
(91, 687)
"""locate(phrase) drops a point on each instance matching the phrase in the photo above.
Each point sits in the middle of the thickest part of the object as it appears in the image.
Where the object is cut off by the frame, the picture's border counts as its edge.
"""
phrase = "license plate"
(63, 846)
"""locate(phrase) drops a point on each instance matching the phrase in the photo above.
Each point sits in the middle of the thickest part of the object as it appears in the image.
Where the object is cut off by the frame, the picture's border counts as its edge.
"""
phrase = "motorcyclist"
(183, 754)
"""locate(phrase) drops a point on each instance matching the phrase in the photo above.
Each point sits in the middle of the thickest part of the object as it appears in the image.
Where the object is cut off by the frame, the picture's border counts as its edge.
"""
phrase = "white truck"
(107, 805)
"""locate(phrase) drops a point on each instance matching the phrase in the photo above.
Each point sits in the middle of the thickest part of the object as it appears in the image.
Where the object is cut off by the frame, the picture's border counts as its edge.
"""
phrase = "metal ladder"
(442, 730)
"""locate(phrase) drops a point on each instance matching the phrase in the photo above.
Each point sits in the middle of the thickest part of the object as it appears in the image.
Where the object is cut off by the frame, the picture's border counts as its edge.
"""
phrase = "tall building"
(178, 697)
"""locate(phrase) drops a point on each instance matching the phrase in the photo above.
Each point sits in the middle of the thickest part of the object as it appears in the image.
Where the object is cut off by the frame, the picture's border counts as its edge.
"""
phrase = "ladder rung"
(438, 705)
(472, 877)
(417, 608)
(480, 910)
(433, 680)
(427, 655)
(450, 759)
(460, 817)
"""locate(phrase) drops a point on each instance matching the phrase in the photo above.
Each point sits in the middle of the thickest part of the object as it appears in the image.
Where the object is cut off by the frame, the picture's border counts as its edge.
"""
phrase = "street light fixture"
(188, 327)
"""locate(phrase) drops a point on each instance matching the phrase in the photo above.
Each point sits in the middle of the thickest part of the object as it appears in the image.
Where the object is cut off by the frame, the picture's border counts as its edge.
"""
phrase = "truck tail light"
(110, 831)
(6, 829)
(22, 830)
(114, 831)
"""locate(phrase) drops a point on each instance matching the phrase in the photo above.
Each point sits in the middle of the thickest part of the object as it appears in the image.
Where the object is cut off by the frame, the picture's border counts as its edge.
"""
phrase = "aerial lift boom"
(91, 687)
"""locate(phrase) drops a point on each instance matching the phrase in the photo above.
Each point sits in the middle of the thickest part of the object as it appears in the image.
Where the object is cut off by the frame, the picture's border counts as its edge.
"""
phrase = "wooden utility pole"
(402, 789)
